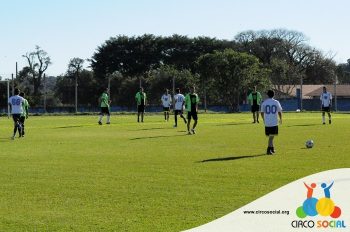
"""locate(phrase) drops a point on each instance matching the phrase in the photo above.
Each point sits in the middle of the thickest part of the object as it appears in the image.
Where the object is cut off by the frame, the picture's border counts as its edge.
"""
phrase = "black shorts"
(141, 108)
(273, 130)
(16, 117)
(105, 110)
(178, 112)
(326, 109)
(192, 115)
(22, 119)
(166, 109)
(255, 108)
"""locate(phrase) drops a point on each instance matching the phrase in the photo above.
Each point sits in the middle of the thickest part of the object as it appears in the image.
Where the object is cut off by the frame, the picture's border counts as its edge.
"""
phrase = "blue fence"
(287, 105)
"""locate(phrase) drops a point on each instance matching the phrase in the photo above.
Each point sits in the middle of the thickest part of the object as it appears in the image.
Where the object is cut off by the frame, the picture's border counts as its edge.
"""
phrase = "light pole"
(45, 93)
(76, 91)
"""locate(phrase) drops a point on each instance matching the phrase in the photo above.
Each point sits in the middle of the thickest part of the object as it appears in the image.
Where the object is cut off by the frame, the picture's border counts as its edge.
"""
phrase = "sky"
(76, 28)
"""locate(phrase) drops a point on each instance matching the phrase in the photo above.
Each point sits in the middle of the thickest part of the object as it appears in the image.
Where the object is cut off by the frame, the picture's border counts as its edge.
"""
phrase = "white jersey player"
(270, 111)
(166, 101)
(15, 102)
(179, 106)
(326, 104)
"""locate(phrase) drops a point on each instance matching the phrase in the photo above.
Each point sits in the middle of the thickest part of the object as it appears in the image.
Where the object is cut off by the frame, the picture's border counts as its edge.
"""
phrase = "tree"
(162, 78)
(233, 73)
(88, 89)
(38, 62)
(343, 72)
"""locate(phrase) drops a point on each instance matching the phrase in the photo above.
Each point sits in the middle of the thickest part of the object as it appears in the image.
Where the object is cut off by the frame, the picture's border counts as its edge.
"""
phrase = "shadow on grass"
(156, 137)
(66, 127)
(4, 139)
(153, 128)
(235, 124)
(231, 158)
(301, 125)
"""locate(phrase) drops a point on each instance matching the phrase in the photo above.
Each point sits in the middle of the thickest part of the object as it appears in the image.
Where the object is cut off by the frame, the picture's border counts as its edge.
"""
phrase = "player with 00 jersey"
(179, 106)
(270, 111)
(15, 102)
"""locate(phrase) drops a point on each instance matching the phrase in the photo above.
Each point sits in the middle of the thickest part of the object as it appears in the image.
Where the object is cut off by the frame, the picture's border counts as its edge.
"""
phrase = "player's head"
(166, 91)
(270, 93)
(193, 89)
(254, 89)
(16, 91)
(323, 185)
(177, 90)
(106, 90)
(313, 185)
(324, 89)
(21, 94)
(141, 89)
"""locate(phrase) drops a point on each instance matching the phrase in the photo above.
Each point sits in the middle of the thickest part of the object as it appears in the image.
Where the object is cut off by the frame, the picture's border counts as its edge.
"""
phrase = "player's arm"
(26, 109)
(280, 116)
(10, 105)
(262, 112)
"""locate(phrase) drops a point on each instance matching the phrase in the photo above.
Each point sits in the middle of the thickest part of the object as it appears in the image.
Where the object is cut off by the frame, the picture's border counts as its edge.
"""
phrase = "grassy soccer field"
(70, 174)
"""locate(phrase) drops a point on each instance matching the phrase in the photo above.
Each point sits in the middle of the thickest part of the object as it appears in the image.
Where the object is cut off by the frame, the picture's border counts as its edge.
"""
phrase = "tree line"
(224, 71)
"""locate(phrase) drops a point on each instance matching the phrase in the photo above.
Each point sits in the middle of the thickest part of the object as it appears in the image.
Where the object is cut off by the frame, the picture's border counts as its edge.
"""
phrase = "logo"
(324, 206)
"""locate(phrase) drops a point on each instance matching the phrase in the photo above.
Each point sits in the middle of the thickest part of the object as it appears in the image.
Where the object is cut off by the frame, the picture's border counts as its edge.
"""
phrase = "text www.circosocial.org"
(257, 212)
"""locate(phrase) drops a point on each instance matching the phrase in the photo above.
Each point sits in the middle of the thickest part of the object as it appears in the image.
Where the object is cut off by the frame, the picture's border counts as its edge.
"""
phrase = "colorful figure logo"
(323, 206)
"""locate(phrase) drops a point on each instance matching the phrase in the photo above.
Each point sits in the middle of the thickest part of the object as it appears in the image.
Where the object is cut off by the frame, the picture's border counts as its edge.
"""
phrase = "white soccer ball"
(309, 143)
(298, 110)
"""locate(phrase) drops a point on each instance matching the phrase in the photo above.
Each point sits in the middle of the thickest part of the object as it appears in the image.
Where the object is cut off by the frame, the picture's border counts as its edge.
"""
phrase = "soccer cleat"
(189, 133)
(99, 123)
(273, 150)
(193, 131)
(108, 123)
(269, 151)
(330, 121)
(258, 121)
(324, 123)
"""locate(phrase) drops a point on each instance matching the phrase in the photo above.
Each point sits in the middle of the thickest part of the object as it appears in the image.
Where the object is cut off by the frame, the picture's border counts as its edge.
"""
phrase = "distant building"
(311, 91)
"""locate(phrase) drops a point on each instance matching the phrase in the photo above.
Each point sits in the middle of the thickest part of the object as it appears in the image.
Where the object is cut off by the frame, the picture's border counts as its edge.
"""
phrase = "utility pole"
(44, 93)
(8, 97)
(13, 85)
(335, 92)
(301, 92)
(173, 92)
(76, 91)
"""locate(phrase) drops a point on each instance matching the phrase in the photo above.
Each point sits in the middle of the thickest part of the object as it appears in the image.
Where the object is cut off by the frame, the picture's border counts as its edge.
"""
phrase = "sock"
(108, 118)
(100, 118)
(323, 119)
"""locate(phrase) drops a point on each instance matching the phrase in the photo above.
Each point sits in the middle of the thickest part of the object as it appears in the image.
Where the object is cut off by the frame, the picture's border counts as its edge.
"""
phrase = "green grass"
(69, 174)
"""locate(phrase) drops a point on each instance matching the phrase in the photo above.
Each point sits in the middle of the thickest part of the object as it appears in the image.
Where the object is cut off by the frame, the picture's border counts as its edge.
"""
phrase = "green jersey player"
(105, 107)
